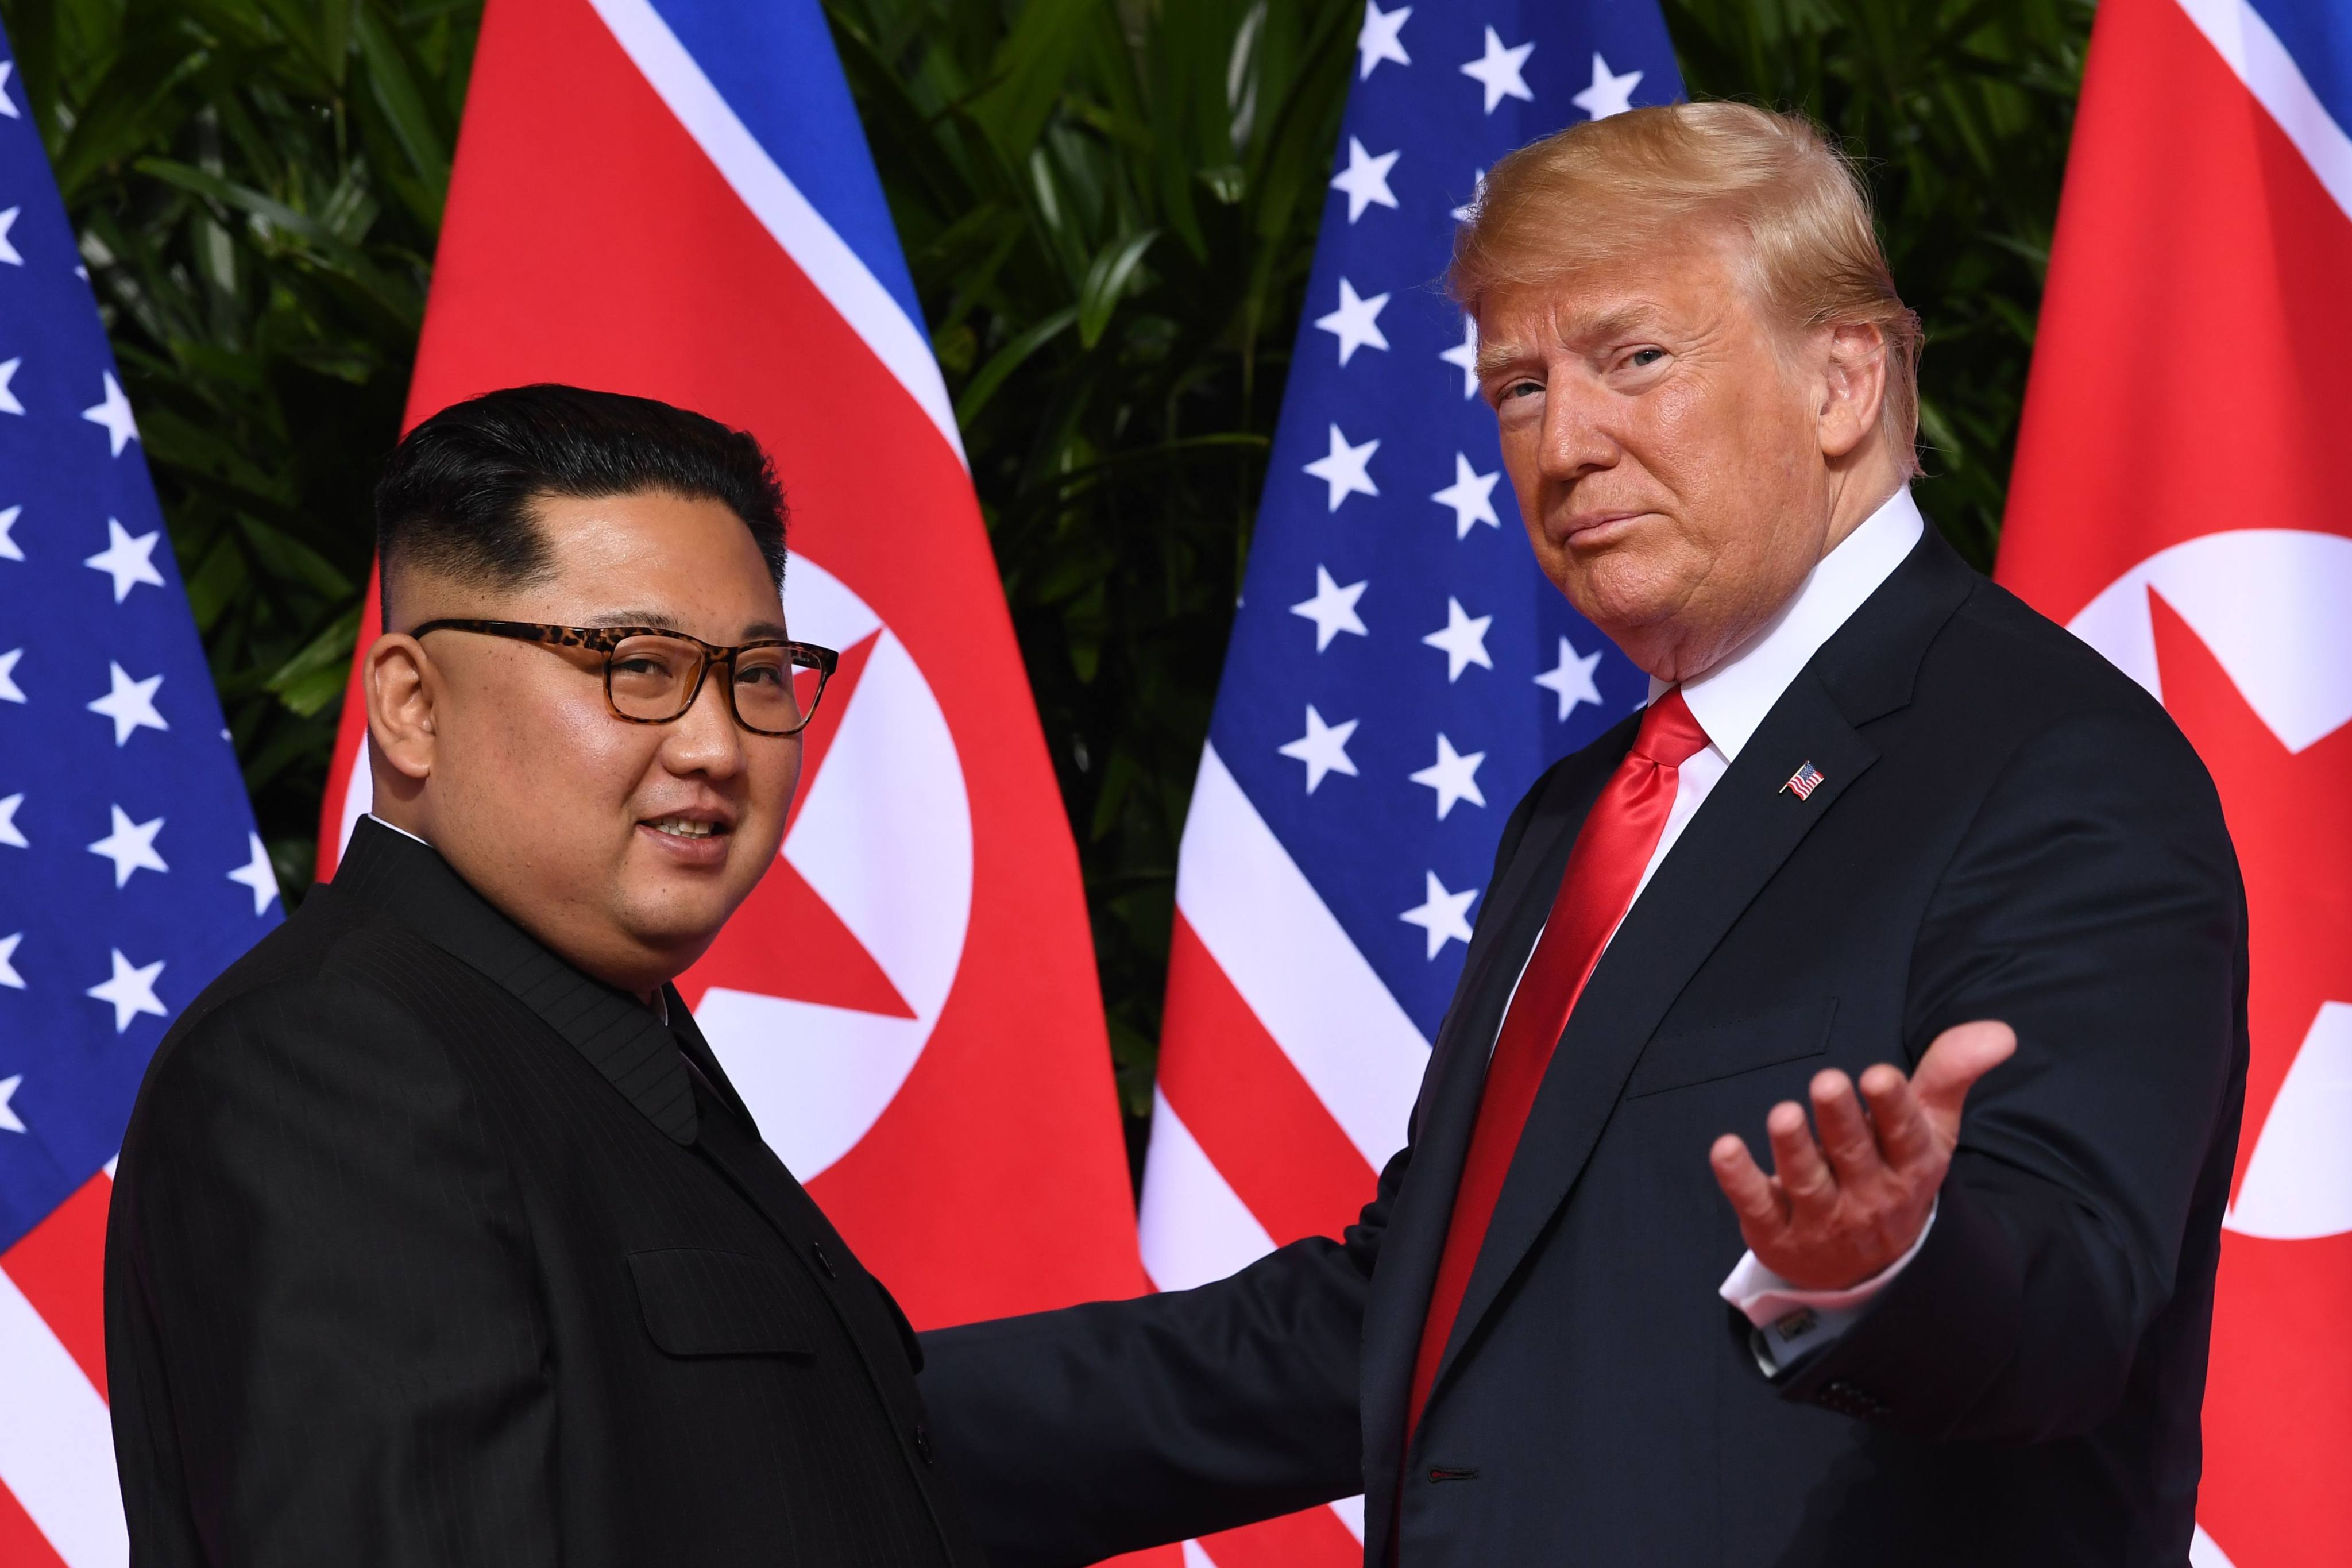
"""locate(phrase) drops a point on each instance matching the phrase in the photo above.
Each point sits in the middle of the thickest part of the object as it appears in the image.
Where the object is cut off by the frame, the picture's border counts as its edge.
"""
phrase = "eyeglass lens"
(653, 678)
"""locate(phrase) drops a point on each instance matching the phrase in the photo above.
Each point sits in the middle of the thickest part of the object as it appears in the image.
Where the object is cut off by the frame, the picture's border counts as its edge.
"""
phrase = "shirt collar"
(660, 1003)
(371, 816)
(1731, 699)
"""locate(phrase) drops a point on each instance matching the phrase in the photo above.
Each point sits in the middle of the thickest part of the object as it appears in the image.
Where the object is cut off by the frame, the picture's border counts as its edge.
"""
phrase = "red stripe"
(22, 1544)
(60, 1266)
(1253, 1115)
(1307, 1539)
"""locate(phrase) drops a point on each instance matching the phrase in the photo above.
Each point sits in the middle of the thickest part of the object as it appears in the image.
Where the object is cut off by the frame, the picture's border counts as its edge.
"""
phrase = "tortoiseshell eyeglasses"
(652, 676)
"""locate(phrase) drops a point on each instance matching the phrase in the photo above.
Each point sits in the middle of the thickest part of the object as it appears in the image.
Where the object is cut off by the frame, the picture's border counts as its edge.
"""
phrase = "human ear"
(1853, 386)
(402, 687)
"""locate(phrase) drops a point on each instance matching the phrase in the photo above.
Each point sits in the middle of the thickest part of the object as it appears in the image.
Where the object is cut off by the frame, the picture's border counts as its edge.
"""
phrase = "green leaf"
(1007, 360)
(316, 676)
(1030, 70)
(393, 85)
(1108, 279)
(307, 234)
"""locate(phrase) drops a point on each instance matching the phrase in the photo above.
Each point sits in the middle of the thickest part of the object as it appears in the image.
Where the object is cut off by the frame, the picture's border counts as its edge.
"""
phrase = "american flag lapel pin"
(1803, 782)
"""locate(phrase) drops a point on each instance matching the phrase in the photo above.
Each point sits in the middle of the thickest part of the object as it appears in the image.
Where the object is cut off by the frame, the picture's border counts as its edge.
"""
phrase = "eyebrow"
(1498, 356)
(661, 621)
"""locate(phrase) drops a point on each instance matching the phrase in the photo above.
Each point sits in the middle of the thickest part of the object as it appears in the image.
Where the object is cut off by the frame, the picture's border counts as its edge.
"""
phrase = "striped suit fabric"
(428, 1248)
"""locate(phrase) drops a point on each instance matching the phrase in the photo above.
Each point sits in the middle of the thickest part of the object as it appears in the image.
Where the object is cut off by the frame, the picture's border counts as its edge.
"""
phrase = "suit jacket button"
(923, 1441)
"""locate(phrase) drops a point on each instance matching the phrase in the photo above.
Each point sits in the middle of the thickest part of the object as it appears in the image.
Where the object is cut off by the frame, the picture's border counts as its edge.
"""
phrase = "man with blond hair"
(1881, 827)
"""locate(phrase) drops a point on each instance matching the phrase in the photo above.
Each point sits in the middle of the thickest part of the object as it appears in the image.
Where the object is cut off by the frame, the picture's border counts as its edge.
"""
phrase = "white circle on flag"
(2274, 606)
(2270, 605)
(884, 837)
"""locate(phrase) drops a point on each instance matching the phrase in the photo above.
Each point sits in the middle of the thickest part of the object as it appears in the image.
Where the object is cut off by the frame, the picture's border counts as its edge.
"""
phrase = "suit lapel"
(755, 1169)
(1444, 1116)
(1749, 826)
(1746, 830)
(698, 1050)
(618, 1035)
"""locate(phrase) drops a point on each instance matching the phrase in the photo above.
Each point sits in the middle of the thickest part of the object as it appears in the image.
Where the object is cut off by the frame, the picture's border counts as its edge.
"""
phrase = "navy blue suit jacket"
(2010, 829)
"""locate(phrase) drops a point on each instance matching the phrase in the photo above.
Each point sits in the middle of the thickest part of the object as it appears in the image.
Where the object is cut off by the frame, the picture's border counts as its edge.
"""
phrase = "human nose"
(705, 739)
(1575, 439)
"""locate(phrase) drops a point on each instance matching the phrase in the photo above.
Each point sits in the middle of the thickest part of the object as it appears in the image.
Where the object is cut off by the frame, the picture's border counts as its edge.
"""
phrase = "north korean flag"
(674, 198)
(2179, 503)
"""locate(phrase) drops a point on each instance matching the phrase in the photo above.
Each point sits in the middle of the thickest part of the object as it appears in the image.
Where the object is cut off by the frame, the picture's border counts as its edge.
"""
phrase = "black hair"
(455, 497)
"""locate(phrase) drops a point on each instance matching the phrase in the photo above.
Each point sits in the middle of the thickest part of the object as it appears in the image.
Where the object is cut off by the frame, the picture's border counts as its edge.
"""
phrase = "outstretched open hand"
(1841, 1207)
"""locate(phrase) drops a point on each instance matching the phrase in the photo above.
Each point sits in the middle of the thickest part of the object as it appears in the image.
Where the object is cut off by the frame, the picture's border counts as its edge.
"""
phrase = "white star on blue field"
(1399, 671)
(130, 870)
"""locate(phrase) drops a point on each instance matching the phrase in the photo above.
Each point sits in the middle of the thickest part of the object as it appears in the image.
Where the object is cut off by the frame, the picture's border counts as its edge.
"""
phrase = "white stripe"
(1196, 1558)
(1193, 1227)
(836, 270)
(56, 1449)
(2246, 42)
(1292, 962)
(1350, 1510)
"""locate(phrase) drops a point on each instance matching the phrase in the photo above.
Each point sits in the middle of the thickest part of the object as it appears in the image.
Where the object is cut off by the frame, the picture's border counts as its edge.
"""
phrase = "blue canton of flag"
(130, 872)
(1399, 671)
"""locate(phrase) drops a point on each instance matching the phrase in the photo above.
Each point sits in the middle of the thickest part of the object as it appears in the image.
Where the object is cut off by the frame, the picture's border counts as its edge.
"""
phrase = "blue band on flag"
(775, 64)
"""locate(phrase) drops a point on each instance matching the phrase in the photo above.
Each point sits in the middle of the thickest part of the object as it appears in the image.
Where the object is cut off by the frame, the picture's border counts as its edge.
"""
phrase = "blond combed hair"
(1792, 203)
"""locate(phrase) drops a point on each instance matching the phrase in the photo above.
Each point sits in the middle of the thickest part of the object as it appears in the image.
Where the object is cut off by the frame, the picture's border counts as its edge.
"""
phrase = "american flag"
(130, 870)
(1804, 780)
(1399, 674)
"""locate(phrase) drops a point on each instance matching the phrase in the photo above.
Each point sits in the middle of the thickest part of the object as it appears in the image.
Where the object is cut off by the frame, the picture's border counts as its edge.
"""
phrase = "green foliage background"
(1110, 207)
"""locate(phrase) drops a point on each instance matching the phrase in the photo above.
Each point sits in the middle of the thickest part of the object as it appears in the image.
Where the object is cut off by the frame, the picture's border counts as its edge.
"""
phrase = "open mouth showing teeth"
(680, 827)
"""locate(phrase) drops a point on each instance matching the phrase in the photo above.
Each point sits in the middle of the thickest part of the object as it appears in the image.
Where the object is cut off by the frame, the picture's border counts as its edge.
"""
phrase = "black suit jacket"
(2009, 829)
(426, 1247)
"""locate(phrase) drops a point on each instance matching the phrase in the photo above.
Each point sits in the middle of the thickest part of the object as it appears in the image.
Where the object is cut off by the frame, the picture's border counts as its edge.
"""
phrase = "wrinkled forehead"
(1586, 301)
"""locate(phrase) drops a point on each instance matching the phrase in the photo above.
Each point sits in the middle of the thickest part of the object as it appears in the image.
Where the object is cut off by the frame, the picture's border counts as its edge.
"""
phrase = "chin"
(1623, 598)
(683, 922)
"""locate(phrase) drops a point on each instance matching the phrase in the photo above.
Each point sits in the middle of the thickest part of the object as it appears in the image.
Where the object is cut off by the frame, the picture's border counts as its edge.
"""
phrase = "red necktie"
(1611, 850)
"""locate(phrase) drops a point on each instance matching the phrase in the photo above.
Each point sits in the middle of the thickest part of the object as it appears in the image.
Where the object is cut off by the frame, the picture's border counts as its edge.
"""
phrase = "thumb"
(1959, 1057)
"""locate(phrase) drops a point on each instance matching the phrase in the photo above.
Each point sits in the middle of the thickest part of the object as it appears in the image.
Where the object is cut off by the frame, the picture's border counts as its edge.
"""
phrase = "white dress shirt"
(380, 822)
(1730, 702)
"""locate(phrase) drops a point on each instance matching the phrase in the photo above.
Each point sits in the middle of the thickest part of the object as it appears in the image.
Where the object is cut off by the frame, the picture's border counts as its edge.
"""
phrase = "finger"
(1959, 1057)
(1904, 1138)
(1755, 1199)
(1845, 1135)
(1797, 1160)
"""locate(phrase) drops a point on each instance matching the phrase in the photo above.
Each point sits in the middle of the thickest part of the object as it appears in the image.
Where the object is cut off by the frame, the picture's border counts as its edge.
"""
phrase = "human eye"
(762, 667)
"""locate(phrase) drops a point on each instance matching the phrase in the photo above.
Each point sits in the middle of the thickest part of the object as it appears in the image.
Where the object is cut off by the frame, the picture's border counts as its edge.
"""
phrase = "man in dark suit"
(439, 1235)
(1876, 810)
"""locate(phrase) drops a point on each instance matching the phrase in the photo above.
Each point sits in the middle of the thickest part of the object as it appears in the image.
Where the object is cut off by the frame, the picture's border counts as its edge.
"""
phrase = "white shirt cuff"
(1789, 1322)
